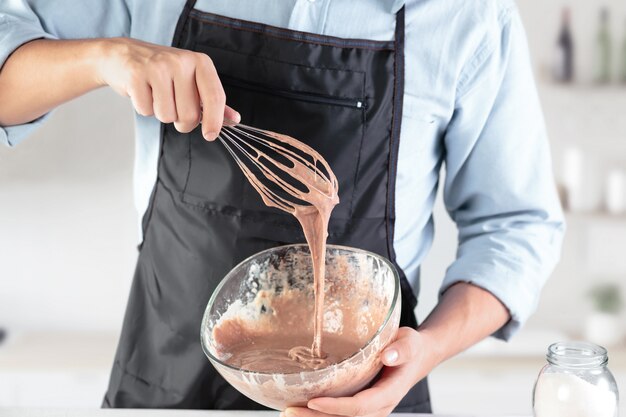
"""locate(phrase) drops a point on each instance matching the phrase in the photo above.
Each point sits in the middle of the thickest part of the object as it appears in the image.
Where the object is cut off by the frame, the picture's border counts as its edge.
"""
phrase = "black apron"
(343, 97)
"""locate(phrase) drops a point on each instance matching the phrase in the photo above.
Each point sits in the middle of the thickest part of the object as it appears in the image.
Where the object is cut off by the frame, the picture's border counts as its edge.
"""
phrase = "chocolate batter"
(273, 353)
(270, 333)
(321, 193)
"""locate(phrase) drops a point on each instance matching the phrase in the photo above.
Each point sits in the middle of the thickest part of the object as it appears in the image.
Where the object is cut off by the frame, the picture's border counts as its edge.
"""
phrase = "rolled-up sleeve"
(22, 21)
(499, 186)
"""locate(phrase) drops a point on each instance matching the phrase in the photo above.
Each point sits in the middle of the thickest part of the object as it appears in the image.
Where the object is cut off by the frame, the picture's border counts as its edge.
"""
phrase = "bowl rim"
(396, 299)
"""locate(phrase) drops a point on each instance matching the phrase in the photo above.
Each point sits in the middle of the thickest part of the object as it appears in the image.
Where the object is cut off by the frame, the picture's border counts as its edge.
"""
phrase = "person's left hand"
(406, 361)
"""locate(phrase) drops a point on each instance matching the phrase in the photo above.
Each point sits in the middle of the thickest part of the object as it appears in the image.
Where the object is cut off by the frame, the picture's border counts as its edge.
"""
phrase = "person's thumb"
(231, 115)
(404, 349)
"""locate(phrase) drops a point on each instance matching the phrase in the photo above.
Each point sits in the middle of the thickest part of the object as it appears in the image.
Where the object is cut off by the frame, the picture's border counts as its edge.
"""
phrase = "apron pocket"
(356, 103)
(324, 108)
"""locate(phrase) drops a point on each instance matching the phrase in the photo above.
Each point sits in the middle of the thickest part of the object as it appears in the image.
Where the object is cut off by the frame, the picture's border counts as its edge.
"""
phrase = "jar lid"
(577, 355)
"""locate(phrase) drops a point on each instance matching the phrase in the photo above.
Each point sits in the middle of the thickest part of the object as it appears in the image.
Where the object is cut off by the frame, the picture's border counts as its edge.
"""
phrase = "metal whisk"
(286, 172)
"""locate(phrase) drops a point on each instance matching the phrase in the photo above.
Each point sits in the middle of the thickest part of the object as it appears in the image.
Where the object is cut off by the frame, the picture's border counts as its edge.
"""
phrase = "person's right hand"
(175, 85)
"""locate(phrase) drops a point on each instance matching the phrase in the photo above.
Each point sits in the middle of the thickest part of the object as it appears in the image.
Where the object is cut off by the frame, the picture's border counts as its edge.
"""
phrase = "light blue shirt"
(470, 103)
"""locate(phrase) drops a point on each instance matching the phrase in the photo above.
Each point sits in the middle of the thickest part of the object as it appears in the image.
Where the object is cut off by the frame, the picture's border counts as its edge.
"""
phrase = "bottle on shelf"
(603, 49)
(564, 60)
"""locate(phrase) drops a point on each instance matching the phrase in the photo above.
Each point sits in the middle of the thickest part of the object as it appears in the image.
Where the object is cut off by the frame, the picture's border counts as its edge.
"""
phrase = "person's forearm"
(465, 315)
(174, 85)
(44, 73)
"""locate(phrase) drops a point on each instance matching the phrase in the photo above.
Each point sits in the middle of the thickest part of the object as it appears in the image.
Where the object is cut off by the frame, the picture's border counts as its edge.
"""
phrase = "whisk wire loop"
(279, 167)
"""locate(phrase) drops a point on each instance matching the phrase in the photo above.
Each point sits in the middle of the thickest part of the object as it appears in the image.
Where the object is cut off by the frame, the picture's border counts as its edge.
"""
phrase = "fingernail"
(289, 412)
(210, 135)
(237, 117)
(311, 404)
(391, 356)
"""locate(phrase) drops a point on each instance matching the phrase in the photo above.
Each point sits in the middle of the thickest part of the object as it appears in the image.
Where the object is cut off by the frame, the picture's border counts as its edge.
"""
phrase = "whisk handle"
(229, 123)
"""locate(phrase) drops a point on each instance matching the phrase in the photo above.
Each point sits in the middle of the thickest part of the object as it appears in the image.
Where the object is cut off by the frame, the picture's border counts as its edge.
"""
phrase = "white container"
(615, 192)
(576, 382)
(573, 178)
(603, 329)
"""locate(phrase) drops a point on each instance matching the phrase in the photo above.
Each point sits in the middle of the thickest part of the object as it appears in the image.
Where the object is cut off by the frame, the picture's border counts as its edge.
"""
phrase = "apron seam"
(182, 26)
(189, 162)
(398, 99)
(274, 32)
(226, 211)
(390, 215)
(358, 160)
(248, 218)
(352, 71)
(143, 380)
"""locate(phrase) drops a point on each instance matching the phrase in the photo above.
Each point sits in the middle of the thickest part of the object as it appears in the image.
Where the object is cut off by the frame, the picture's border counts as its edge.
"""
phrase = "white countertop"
(46, 373)
(58, 412)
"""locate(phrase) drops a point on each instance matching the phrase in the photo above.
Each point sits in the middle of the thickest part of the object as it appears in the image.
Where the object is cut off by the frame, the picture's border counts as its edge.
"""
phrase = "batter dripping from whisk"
(321, 193)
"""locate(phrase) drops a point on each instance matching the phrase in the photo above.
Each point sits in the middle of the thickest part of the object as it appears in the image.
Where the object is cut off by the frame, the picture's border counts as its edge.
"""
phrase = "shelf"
(584, 98)
(595, 216)
(57, 351)
(526, 350)
(588, 117)
(613, 88)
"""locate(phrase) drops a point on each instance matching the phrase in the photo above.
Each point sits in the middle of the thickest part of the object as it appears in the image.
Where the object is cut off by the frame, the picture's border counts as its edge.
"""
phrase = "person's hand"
(407, 360)
(175, 85)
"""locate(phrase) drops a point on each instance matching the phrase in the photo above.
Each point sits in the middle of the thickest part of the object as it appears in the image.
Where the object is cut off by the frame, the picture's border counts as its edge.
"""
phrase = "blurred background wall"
(68, 236)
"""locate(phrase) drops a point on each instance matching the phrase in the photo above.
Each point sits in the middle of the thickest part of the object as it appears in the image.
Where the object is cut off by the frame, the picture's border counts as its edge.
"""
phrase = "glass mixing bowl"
(367, 283)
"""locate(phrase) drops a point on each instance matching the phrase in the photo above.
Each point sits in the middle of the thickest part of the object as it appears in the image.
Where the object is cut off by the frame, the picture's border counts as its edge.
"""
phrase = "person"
(386, 90)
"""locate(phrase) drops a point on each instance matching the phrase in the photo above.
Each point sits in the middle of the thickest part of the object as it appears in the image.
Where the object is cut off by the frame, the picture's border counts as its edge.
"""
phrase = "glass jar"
(576, 382)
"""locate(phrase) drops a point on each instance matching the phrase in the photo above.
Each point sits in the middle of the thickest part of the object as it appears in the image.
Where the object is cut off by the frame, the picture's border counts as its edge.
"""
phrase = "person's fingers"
(367, 402)
(163, 99)
(141, 97)
(187, 102)
(231, 114)
(404, 349)
(384, 395)
(380, 396)
(303, 412)
(212, 97)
